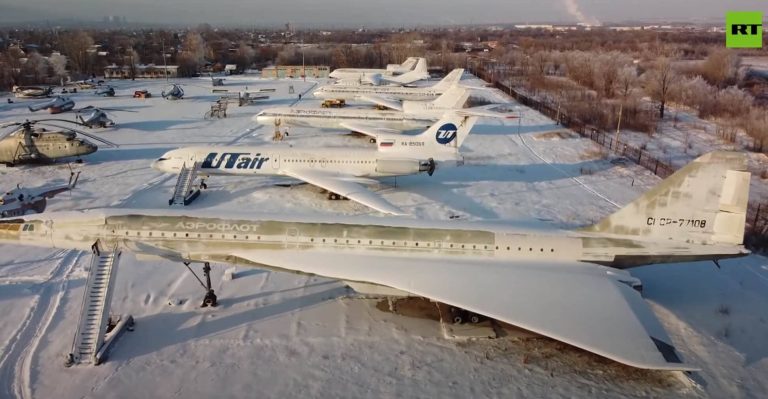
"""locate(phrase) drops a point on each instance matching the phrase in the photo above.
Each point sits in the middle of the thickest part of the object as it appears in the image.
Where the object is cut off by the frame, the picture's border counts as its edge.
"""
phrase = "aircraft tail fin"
(450, 80)
(418, 72)
(450, 131)
(442, 139)
(453, 98)
(409, 63)
(705, 202)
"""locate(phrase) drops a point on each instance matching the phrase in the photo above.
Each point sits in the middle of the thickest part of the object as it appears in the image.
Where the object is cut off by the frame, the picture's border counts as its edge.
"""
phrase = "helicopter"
(31, 143)
(55, 105)
(22, 200)
(32, 91)
(92, 117)
(174, 93)
(106, 91)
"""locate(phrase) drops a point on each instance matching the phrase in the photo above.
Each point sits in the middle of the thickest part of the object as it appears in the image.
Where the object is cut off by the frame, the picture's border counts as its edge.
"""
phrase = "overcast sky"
(318, 13)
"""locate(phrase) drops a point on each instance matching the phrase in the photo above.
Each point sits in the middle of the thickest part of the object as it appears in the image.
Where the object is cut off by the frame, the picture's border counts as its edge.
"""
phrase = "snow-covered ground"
(285, 335)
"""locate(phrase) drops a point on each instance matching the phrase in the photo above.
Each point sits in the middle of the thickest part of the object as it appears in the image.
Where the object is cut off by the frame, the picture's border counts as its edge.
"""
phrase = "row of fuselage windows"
(328, 161)
(293, 240)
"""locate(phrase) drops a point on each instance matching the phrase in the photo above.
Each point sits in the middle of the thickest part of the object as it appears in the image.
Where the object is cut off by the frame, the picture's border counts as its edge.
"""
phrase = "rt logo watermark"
(744, 29)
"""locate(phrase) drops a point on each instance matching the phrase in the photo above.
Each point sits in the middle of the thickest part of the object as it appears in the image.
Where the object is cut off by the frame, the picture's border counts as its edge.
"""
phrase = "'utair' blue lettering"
(234, 160)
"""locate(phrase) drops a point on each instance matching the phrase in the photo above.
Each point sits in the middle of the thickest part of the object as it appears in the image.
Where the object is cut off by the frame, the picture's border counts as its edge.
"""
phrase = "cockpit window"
(162, 159)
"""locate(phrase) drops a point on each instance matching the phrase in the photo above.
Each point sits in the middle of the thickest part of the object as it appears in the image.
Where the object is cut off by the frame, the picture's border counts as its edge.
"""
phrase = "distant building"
(295, 71)
(530, 26)
(150, 71)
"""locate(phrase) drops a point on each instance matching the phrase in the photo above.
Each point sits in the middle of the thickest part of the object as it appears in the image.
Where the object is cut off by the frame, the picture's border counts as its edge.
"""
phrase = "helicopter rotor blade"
(89, 135)
(8, 132)
(117, 109)
(44, 122)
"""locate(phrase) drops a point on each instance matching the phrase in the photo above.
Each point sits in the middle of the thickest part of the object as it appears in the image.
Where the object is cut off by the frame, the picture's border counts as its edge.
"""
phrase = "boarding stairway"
(91, 341)
(185, 192)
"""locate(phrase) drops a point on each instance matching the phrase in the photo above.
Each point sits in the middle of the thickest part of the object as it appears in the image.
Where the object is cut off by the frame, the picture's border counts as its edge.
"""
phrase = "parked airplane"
(391, 69)
(419, 72)
(346, 92)
(567, 285)
(339, 170)
(410, 115)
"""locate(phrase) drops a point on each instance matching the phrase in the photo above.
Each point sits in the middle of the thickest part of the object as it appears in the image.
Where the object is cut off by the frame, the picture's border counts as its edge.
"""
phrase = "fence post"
(656, 168)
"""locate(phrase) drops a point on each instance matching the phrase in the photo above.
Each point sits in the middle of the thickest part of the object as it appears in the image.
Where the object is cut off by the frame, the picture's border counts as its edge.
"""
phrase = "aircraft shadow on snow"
(729, 304)
(165, 329)
(126, 154)
(156, 126)
(446, 185)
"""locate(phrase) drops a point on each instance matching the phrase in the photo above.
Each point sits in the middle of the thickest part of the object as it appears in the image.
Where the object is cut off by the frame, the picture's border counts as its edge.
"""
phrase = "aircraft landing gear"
(336, 197)
(202, 184)
(461, 316)
(210, 297)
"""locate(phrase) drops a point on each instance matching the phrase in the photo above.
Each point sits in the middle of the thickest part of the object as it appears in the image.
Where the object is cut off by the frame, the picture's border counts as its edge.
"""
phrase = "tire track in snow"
(15, 364)
(585, 186)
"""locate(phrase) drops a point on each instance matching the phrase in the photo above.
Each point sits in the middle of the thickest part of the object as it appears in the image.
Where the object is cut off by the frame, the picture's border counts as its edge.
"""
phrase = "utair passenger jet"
(339, 170)
(407, 115)
(569, 285)
(347, 92)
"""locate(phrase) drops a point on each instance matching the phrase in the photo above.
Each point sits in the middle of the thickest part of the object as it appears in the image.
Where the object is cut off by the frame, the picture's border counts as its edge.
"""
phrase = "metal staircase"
(184, 193)
(94, 316)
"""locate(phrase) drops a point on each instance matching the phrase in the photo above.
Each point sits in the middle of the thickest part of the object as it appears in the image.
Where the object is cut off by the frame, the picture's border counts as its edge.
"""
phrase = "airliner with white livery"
(419, 72)
(348, 92)
(569, 285)
(407, 115)
(339, 170)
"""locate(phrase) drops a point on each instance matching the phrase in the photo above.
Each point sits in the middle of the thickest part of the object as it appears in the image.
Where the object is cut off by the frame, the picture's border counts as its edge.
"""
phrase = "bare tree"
(244, 56)
(626, 81)
(734, 102)
(660, 82)
(59, 64)
(606, 71)
(721, 67)
(36, 67)
(194, 47)
(77, 46)
(132, 59)
(756, 126)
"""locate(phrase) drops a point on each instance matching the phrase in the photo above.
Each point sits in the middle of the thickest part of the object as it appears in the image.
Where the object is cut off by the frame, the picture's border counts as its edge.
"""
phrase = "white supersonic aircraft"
(339, 170)
(419, 72)
(412, 70)
(567, 285)
(407, 115)
(348, 92)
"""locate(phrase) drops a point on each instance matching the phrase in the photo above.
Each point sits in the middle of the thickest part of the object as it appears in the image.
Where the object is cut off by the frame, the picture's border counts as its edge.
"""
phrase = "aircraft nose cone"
(165, 165)
(158, 165)
(262, 119)
(91, 148)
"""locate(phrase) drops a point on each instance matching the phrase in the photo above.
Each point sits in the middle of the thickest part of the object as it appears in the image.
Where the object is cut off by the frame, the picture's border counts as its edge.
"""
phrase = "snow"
(284, 335)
